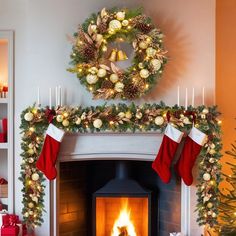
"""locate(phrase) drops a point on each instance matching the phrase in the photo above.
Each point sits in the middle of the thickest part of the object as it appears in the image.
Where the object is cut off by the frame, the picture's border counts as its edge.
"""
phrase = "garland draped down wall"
(120, 118)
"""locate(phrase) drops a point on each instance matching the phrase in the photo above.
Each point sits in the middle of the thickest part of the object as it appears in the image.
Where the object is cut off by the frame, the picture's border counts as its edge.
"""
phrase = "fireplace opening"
(80, 181)
(122, 207)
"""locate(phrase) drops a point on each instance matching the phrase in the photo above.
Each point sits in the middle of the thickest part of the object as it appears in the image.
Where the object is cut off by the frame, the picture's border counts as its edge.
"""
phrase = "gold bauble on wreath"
(94, 62)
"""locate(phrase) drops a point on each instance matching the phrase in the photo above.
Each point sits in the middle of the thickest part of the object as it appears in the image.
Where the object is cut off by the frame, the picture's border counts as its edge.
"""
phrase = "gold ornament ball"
(94, 70)
(59, 118)
(26, 214)
(65, 123)
(35, 177)
(212, 160)
(125, 23)
(101, 73)
(212, 151)
(91, 79)
(209, 205)
(205, 111)
(114, 78)
(31, 213)
(143, 45)
(120, 15)
(212, 146)
(121, 115)
(144, 73)
(140, 65)
(156, 64)
(139, 115)
(214, 215)
(151, 52)
(119, 87)
(206, 176)
(31, 151)
(128, 115)
(35, 199)
(186, 121)
(93, 28)
(78, 121)
(114, 25)
(30, 204)
(97, 123)
(29, 116)
(159, 120)
(31, 145)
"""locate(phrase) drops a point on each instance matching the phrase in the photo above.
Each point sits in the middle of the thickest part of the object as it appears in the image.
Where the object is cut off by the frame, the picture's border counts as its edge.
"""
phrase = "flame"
(123, 225)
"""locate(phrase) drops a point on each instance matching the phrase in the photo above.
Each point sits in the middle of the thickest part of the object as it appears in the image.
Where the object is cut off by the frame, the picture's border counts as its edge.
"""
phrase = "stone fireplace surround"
(116, 146)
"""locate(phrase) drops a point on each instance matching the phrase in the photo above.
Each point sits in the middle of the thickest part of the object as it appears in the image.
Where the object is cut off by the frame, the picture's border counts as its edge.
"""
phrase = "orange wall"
(226, 70)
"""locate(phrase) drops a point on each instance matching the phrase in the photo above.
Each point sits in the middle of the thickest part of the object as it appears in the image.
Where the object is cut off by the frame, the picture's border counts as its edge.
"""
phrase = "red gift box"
(9, 225)
(3, 130)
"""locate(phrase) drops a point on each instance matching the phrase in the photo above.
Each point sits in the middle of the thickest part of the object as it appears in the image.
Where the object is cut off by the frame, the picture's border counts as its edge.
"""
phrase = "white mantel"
(116, 146)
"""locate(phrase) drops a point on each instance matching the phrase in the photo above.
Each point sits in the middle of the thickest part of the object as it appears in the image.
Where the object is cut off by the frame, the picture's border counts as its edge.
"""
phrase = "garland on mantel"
(120, 118)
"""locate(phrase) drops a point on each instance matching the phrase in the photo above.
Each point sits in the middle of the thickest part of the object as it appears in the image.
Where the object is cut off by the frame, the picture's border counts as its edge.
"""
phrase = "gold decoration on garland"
(90, 53)
(120, 118)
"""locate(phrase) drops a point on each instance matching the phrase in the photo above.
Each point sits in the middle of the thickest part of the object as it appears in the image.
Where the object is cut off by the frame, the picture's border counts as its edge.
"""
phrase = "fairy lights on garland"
(120, 118)
(96, 48)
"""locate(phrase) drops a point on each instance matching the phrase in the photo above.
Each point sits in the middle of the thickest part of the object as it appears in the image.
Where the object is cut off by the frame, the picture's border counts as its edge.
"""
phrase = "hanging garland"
(120, 118)
(93, 62)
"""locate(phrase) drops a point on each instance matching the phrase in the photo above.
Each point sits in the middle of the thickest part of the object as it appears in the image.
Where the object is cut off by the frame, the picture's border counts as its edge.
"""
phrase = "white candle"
(203, 96)
(56, 96)
(50, 98)
(186, 98)
(59, 95)
(178, 101)
(38, 97)
(193, 94)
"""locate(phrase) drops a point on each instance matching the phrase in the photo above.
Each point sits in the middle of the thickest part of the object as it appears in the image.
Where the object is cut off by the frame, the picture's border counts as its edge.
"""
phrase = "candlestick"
(59, 95)
(203, 96)
(178, 91)
(186, 98)
(193, 94)
(50, 98)
(38, 97)
(56, 95)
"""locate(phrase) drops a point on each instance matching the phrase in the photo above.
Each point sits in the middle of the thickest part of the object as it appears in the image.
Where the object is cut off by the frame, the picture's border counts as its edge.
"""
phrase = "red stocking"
(191, 150)
(170, 142)
(48, 157)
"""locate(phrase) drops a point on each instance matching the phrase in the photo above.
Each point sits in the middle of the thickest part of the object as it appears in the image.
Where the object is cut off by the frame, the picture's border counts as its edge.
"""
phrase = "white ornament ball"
(143, 45)
(212, 160)
(59, 118)
(205, 111)
(91, 79)
(212, 146)
(159, 120)
(115, 25)
(97, 123)
(101, 73)
(119, 87)
(65, 123)
(31, 160)
(209, 213)
(94, 70)
(128, 115)
(121, 115)
(120, 15)
(125, 22)
(78, 121)
(139, 115)
(35, 177)
(206, 176)
(26, 214)
(209, 205)
(144, 73)
(151, 52)
(114, 78)
(31, 213)
(35, 199)
(31, 151)
(29, 116)
(156, 64)
(186, 121)
(30, 204)
(214, 215)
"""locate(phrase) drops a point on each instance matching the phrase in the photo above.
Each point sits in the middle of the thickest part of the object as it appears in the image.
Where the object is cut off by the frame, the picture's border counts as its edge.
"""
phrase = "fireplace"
(122, 206)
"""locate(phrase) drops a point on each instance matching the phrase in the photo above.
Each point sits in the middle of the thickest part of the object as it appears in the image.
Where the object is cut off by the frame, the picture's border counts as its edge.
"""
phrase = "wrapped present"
(9, 225)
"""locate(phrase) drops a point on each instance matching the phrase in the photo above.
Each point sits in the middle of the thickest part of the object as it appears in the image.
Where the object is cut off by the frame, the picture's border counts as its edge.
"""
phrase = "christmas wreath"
(96, 48)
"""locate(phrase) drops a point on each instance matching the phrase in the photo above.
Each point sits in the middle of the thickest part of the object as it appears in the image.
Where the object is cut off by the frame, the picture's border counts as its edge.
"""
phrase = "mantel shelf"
(3, 100)
(3, 145)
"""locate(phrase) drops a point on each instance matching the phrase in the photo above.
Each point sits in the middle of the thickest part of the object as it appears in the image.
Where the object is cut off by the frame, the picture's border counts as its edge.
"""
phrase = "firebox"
(122, 207)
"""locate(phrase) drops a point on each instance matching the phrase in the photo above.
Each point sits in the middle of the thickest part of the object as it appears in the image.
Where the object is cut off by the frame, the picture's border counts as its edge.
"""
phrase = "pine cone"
(131, 91)
(89, 52)
(107, 84)
(111, 117)
(102, 27)
(144, 27)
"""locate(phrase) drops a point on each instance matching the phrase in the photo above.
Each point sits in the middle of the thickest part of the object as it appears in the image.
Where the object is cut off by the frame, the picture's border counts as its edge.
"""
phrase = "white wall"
(42, 51)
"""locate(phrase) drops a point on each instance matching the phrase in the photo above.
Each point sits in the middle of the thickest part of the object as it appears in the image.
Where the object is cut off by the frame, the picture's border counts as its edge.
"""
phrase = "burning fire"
(123, 226)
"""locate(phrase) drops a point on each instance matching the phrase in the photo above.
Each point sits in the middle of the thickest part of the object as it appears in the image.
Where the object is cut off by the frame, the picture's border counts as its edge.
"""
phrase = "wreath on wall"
(96, 48)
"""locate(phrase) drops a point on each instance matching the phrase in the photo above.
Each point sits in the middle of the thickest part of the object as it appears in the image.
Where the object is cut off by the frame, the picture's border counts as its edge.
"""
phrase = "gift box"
(3, 190)
(9, 225)
(3, 130)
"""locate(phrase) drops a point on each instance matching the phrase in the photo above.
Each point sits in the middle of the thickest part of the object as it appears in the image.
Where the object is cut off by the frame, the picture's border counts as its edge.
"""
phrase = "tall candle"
(59, 95)
(56, 95)
(38, 97)
(203, 96)
(186, 98)
(193, 94)
(178, 98)
(50, 98)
